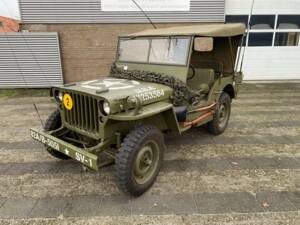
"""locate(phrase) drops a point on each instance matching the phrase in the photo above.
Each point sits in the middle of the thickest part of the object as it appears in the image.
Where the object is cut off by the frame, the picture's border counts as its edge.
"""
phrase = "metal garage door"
(271, 63)
(29, 60)
(92, 11)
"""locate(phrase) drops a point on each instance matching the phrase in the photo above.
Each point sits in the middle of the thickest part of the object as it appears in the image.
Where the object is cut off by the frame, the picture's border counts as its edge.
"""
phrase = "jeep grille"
(84, 114)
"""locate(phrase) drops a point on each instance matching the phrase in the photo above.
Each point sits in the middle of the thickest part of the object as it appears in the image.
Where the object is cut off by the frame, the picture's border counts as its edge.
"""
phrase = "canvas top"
(207, 30)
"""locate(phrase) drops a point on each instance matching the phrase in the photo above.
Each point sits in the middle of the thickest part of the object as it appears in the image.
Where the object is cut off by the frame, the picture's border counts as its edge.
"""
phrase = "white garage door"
(270, 63)
(273, 43)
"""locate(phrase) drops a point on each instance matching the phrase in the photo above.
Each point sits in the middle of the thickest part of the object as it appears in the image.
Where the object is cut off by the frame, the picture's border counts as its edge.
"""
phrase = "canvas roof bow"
(207, 30)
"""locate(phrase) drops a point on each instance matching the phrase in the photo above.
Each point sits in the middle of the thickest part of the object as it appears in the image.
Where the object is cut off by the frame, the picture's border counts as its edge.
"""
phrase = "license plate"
(46, 141)
(74, 152)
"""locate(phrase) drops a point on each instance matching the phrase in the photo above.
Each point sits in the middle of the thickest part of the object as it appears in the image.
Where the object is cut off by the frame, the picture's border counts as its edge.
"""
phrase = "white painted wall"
(10, 8)
(262, 6)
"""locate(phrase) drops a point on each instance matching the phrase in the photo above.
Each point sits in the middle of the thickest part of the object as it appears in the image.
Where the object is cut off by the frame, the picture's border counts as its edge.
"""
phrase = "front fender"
(159, 114)
(145, 111)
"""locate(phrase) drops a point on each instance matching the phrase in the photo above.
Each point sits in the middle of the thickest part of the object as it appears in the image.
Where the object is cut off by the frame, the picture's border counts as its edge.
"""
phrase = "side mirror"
(203, 44)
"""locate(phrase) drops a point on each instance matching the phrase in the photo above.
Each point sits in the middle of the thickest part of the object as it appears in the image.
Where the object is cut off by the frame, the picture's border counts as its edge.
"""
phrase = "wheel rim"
(223, 115)
(146, 162)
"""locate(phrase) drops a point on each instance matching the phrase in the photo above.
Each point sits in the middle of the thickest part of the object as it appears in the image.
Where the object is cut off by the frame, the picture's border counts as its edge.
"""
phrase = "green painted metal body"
(131, 102)
(74, 152)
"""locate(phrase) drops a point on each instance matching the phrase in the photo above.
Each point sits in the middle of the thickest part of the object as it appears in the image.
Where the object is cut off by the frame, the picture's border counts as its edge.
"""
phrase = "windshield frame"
(190, 39)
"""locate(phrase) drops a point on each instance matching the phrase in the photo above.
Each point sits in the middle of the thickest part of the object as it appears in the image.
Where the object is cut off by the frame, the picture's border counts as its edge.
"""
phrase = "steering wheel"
(194, 72)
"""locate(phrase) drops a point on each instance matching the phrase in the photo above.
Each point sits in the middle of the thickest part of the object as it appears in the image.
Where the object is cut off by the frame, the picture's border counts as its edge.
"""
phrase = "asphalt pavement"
(250, 175)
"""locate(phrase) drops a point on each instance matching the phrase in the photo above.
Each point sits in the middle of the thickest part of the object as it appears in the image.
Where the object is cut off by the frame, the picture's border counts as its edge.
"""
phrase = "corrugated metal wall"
(29, 60)
(89, 11)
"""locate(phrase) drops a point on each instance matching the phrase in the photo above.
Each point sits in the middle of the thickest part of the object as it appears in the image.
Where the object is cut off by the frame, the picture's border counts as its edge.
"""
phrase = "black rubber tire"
(125, 160)
(213, 126)
(54, 122)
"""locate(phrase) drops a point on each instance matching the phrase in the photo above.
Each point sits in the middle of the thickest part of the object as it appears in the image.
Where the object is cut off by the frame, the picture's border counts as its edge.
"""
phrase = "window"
(263, 27)
(169, 51)
(262, 22)
(134, 50)
(288, 22)
(155, 50)
(237, 19)
(260, 39)
(287, 39)
(1, 24)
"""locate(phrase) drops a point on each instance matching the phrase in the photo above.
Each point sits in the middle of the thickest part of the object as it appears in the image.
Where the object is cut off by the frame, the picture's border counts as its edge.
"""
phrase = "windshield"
(155, 51)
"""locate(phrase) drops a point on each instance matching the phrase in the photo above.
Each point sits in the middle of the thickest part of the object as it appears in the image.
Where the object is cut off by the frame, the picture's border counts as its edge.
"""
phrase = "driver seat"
(202, 81)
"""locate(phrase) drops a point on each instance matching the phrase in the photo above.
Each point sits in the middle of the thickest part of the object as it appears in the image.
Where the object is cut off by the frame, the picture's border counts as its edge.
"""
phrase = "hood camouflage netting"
(181, 92)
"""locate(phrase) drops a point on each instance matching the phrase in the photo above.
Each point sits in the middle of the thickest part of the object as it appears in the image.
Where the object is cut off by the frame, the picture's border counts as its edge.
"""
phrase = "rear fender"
(220, 85)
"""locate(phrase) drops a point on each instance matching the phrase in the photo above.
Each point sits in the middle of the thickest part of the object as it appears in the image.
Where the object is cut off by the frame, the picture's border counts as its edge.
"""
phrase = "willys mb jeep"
(163, 80)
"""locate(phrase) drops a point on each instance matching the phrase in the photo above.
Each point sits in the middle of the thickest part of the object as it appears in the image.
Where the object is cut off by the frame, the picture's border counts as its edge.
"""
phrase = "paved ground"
(248, 175)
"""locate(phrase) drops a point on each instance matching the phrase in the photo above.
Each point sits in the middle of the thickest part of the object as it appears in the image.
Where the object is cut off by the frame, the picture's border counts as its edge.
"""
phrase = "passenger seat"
(202, 81)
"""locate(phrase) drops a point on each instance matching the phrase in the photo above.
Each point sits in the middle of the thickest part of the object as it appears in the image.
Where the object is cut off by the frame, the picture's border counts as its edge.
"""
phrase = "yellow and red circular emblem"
(68, 101)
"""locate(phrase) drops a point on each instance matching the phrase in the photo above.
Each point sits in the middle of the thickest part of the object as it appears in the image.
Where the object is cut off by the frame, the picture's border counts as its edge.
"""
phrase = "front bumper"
(88, 159)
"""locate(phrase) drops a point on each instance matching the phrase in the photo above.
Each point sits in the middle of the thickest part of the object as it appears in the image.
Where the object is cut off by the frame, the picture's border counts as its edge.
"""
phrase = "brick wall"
(88, 50)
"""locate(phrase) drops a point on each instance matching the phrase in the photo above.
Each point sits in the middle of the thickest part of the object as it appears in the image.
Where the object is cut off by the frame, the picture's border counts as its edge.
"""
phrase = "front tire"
(54, 122)
(139, 160)
(220, 121)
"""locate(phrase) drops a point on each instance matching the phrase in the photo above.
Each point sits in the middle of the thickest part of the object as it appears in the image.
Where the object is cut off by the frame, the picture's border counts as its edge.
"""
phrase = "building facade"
(88, 31)
(273, 44)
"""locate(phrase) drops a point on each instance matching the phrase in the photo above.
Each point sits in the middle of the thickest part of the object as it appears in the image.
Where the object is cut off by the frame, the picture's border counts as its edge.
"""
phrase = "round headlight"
(106, 108)
(60, 96)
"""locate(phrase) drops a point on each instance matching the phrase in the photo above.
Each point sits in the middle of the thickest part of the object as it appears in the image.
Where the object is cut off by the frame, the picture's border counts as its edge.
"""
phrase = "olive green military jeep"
(163, 80)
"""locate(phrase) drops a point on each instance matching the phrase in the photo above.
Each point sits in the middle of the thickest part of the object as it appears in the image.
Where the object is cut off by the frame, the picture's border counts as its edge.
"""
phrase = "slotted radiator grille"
(84, 113)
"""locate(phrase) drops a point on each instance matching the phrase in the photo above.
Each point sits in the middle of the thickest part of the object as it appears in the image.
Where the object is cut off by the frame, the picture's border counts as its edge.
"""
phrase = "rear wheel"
(220, 121)
(54, 122)
(139, 160)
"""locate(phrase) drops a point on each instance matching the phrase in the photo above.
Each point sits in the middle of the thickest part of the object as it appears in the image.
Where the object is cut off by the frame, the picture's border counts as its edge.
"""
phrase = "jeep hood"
(113, 89)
